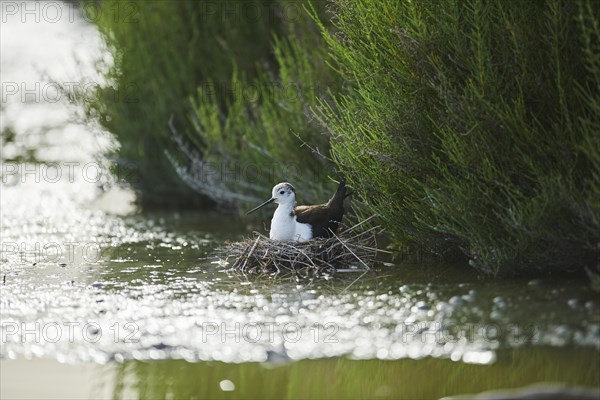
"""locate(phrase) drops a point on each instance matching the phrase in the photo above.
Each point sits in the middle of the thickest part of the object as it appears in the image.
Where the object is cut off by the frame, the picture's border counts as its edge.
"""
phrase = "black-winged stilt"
(303, 223)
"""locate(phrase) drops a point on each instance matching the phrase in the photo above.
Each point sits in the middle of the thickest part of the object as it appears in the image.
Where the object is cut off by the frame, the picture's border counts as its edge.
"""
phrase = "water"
(134, 304)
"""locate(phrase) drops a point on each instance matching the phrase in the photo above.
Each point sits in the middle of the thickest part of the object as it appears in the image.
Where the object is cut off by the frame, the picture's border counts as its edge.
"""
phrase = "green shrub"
(473, 124)
(470, 124)
(264, 133)
(163, 51)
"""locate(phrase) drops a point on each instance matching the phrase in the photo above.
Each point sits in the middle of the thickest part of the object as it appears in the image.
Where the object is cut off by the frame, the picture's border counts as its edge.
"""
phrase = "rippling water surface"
(87, 280)
(98, 287)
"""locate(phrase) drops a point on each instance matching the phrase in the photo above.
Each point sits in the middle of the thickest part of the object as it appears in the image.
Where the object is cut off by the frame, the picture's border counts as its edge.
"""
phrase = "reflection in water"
(344, 378)
(39, 56)
(544, 368)
(144, 287)
(82, 283)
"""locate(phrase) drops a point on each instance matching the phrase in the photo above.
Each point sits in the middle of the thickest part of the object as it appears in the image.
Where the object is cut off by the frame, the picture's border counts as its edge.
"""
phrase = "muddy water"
(98, 299)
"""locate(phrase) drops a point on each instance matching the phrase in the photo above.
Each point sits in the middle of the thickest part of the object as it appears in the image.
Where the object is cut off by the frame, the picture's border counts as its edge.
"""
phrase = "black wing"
(323, 219)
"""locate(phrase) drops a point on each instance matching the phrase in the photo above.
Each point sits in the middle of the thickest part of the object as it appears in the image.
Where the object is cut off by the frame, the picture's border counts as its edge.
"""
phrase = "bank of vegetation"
(465, 125)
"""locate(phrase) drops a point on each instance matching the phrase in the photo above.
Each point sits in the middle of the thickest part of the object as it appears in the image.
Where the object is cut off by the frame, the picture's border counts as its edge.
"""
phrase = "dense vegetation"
(163, 51)
(466, 125)
(266, 132)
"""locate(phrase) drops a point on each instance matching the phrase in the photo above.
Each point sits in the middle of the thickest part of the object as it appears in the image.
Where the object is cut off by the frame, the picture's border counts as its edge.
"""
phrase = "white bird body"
(284, 225)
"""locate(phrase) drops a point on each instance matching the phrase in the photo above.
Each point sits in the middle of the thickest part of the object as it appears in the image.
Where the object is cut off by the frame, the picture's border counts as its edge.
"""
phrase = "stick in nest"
(353, 248)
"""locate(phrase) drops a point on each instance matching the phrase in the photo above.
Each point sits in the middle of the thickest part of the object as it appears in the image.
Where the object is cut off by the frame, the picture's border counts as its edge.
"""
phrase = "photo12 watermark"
(83, 92)
(53, 12)
(253, 12)
(439, 333)
(71, 331)
(65, 254)
(206, 172)
(130, 12)
(62, 253)
(256, 92)
(268, 332)
(13, 173)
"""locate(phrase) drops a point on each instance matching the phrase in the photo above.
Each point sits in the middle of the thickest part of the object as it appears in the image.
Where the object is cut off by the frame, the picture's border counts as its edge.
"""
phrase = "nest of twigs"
(355, 248)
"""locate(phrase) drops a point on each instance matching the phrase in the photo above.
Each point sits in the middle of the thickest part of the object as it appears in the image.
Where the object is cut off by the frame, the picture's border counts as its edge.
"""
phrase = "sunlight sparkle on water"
(226, 385)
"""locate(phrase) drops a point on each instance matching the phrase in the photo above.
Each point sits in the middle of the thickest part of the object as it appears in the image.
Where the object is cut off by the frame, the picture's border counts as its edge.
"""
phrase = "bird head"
(282, 193)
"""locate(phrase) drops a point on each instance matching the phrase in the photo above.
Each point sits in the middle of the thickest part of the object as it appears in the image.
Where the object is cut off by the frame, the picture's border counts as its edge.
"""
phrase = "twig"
(310, 259)
(348, 248)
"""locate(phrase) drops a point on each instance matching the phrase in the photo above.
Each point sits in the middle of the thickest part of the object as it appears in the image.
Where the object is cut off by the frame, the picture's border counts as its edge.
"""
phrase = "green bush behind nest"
(266, 132)
(163, 51)
(473, 124)
(470, 125)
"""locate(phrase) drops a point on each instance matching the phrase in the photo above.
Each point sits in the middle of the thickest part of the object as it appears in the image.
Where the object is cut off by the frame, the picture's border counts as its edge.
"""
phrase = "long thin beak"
(262, 205)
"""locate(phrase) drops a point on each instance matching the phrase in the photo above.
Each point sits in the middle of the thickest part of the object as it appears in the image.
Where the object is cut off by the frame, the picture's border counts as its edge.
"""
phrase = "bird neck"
(284, 210)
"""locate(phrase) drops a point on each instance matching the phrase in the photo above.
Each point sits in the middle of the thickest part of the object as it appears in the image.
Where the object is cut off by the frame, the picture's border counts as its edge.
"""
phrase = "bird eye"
(282, 192)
